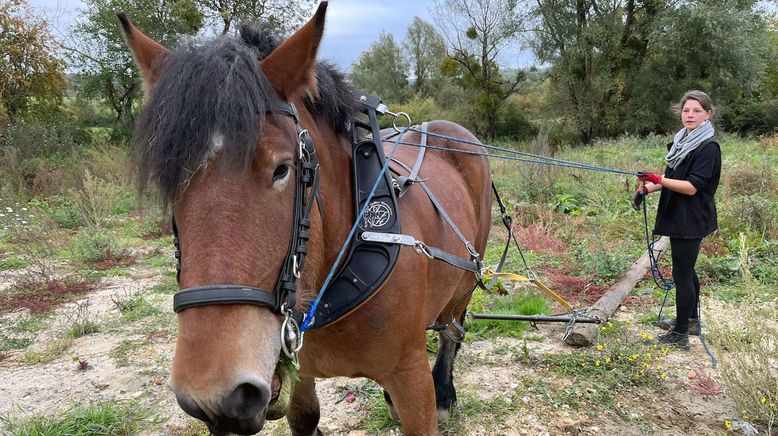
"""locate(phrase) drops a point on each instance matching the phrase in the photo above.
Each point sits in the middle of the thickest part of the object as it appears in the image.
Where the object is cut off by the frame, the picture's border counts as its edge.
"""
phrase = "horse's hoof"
(443, 415)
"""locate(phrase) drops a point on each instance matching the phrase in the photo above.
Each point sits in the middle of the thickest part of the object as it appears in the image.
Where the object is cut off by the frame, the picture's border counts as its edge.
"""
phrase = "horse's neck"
(336, 187)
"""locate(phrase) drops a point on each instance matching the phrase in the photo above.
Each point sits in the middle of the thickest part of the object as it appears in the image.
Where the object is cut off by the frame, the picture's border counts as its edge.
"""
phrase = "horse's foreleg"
(303, 414)
(443, 374)
(413, 396)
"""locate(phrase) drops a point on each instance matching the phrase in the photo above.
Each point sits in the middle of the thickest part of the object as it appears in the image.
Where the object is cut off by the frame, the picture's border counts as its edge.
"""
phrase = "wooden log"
(584, 334)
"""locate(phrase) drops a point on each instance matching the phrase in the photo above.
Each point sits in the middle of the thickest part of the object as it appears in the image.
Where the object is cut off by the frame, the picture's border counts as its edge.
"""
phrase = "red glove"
(649, 177)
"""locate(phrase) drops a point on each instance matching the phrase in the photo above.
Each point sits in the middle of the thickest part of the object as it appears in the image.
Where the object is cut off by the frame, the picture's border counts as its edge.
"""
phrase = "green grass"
(123, 353)
(112, 418)
(135, 307)
(522, 303)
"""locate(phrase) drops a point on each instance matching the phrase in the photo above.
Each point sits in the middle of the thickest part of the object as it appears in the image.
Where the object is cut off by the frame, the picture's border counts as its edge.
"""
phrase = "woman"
(686, 211)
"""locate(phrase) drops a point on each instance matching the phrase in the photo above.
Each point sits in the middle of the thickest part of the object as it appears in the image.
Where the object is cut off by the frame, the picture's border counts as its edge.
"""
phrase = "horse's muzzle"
(241, 411)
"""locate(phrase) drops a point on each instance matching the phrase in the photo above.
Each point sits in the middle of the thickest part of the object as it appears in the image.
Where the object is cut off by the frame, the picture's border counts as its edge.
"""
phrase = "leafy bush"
(750, 117)
(512, 124)
(61, 209)
(94, 245)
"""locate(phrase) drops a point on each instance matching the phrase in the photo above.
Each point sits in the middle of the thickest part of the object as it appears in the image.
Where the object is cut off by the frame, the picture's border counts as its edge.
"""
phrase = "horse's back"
(458, 176)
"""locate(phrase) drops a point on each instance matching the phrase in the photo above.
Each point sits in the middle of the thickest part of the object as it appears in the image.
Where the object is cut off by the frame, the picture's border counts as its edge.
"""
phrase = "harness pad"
(368, 263)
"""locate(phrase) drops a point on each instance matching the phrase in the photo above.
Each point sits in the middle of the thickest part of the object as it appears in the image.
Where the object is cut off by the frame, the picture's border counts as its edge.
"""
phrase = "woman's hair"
(698, 96)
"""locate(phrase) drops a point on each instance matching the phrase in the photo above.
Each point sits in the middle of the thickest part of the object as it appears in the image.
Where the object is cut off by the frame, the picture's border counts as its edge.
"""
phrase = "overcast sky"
(352, 25)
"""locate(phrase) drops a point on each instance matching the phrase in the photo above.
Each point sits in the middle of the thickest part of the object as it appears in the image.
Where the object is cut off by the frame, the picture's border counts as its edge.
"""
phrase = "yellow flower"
(634, 356)
(644, 335)
(608, 360)
(648, 355)
(600, 347)
(772, 405)
(596, 363)
(763, 400)
(727, 424)
(604, 328)
(664, 376)
(610, 324)
(650, 337)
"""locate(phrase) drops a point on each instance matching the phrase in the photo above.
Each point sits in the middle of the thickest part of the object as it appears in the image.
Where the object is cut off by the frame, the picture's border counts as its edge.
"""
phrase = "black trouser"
(687, 285)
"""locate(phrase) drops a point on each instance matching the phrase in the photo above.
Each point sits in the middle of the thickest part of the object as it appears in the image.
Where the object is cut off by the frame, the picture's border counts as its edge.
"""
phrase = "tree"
(99, 54)
(618, 65)
(382, 71)
(426, 50)
(477, 33)
(29, 68)
(285, 15)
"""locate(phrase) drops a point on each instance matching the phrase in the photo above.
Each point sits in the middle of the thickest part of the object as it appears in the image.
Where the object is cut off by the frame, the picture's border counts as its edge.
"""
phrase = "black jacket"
(691, 216)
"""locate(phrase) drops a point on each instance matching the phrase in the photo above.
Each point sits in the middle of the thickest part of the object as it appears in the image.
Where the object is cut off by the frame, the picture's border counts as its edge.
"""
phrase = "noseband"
(283, 299)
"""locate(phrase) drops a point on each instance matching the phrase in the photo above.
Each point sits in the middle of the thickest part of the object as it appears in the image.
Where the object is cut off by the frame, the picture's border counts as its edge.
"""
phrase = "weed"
(94, 198)
(42, 296)
(52, 350)
(20, 332)
(747, 365)
(112, 418)
(123, 352)
(168, 285)
(34, 239)
(81, 322)
(134, 306)
(96, 246)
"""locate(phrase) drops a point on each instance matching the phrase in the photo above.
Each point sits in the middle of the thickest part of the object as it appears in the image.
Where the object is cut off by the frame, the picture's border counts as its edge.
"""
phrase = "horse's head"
(219, 138)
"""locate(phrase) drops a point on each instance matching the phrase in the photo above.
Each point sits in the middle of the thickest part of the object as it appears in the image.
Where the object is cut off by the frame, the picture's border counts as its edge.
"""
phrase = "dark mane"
(217, 88)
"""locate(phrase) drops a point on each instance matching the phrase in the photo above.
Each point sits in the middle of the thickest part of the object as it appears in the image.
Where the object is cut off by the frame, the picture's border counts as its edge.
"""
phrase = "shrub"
(512, 124)
(747, 179)
(94, 245)
(748, 213)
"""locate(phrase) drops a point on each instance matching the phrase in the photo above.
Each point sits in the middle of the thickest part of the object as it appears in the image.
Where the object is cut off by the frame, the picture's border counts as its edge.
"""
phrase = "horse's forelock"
(215, 94)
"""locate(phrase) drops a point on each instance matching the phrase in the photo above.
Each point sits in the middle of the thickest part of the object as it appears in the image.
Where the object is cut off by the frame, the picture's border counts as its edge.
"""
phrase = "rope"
(536, 158)
(309, 316)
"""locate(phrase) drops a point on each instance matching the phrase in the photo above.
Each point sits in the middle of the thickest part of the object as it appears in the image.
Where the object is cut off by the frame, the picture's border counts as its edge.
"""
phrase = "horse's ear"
(147, 52)
(290, 66)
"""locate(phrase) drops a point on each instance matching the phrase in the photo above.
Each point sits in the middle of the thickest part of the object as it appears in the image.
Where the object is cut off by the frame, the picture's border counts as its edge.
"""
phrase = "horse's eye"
(280, 172)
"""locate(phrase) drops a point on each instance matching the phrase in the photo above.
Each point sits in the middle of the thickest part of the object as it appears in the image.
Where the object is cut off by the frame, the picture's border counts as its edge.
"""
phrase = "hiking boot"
(668, 324)
(674, 339)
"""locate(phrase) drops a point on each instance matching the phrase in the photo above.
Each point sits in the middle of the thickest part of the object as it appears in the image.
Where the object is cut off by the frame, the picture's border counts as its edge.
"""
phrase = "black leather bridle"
(283, 300)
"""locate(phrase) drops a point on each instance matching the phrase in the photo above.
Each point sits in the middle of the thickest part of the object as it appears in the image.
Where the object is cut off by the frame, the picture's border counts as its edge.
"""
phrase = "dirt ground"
(91, 369)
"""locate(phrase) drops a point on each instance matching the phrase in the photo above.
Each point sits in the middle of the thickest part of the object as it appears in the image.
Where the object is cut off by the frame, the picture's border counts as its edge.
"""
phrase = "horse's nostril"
(246, 400)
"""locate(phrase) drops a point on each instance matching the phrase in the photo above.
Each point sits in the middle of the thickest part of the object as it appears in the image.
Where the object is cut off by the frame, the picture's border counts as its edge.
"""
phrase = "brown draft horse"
(225, 164)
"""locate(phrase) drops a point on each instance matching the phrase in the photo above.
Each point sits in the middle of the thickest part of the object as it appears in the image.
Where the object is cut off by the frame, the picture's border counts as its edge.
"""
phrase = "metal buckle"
(291, 336)
(303, 152)
(295, 267)
(421, 248)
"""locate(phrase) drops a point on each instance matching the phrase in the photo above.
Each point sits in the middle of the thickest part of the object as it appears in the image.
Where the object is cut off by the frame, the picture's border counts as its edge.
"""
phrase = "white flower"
(24, 209)
(2, 215)
(8, 209)
(24, 222)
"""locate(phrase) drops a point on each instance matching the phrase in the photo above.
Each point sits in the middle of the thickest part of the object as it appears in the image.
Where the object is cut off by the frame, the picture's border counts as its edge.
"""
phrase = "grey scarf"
(683, 145)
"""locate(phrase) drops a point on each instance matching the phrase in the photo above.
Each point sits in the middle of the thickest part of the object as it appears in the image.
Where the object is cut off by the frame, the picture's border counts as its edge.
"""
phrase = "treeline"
(603, 68)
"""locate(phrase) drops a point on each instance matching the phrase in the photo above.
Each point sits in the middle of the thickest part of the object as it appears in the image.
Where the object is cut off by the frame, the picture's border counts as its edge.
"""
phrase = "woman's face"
(693, 114)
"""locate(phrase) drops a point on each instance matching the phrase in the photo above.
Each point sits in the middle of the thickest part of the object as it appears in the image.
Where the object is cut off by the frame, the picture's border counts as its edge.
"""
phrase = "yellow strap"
(538, 284)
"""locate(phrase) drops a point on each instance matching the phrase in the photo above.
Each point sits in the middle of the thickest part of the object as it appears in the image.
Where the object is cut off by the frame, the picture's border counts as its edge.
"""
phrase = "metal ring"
(397, 115)
(291, 336)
